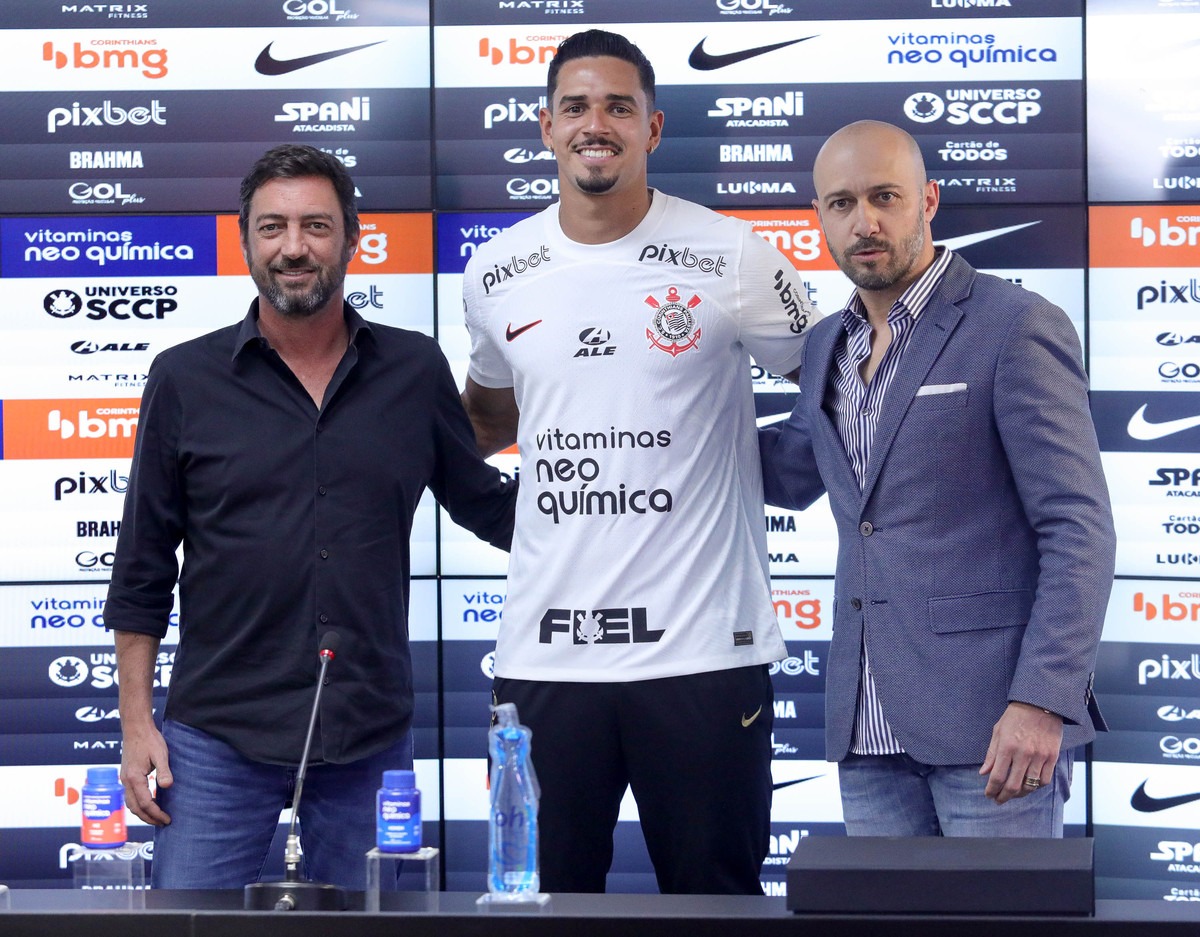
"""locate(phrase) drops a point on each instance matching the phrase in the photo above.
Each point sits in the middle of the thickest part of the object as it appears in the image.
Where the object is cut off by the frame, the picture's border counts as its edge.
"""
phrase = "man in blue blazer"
(945, 411)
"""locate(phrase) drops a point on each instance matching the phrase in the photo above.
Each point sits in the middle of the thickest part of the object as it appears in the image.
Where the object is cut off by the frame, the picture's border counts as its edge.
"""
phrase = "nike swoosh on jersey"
(1140, 429)
(748, 721)
(510, 333)
(1143, 802)
(706, 62)
(267, 64)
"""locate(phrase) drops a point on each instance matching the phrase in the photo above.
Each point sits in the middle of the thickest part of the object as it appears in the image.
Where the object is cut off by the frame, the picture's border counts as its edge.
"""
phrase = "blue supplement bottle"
(398, 814)
(512, 820)
(103, 801)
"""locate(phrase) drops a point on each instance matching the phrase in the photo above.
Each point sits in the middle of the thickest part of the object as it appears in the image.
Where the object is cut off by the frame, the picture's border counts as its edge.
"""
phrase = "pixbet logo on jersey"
(674, 324)
(138, 54)
(598, 626)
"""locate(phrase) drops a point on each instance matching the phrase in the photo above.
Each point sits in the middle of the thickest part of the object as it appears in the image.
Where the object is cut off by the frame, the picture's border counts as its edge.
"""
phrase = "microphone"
(294, 892)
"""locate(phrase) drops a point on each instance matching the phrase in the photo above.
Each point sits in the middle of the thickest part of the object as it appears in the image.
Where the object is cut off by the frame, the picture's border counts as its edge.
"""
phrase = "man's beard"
(295, 305)
(903, 257)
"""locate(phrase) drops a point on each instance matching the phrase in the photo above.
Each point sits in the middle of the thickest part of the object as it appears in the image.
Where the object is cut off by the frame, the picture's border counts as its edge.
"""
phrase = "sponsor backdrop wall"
(128, 126)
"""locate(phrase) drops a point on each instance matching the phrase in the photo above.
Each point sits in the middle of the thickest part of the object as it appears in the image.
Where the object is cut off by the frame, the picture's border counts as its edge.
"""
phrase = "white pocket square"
(930, 389)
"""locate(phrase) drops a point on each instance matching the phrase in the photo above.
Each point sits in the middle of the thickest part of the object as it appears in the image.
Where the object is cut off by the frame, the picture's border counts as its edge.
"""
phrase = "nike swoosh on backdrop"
(510, 333)
(705, 62)
(782, 784)
(1139, 428)
(966, 240)
(267, 64)
(1143, 802)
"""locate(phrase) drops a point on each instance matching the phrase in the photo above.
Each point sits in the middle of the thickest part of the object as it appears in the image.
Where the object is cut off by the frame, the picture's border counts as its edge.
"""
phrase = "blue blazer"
(977, 561)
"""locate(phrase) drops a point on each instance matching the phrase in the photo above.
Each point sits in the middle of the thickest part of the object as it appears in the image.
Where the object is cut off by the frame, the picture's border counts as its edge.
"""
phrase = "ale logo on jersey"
(675, 328)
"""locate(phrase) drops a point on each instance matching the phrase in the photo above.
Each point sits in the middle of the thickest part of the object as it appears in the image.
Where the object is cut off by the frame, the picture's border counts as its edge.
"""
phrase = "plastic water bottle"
(398, 817)
(512, 821)
(103, 801)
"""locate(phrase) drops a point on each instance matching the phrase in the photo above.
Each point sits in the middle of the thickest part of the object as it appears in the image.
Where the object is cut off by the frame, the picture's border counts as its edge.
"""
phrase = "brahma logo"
(111, 54)
(69, 429)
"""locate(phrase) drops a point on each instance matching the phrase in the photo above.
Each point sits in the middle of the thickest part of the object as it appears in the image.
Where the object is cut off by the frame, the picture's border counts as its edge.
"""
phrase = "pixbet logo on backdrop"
(1168, 668)
(513, 112)
(105, 115)
(110, 54)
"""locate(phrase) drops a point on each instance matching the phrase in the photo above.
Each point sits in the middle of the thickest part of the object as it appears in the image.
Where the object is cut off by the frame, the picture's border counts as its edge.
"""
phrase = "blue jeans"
(225, 808)
(895, 795)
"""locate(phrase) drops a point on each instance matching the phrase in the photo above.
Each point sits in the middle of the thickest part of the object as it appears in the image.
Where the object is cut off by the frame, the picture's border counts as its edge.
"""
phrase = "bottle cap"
(104, 775)
(401, 780)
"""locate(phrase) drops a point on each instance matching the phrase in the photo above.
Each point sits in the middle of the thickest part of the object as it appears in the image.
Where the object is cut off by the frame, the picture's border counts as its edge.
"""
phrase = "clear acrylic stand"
(530, 901)
(116, 876)
(383, 875)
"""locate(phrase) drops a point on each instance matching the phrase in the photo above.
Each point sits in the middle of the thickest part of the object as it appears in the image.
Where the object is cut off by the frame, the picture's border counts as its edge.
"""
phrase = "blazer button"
(856, 604)
(866, 528)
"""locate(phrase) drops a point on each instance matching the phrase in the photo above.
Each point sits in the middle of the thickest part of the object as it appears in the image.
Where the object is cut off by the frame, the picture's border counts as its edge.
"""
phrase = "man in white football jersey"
(611, 339)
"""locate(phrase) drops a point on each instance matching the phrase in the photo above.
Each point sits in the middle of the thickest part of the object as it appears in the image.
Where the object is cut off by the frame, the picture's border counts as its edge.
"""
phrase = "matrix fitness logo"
(675, 329)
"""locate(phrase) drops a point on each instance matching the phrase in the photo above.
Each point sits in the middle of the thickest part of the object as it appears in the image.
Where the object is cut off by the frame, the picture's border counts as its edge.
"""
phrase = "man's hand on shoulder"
(1025, 745)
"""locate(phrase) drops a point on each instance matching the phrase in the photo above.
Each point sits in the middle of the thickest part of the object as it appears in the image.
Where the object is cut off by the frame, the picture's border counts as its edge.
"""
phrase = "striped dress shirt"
(854, 408)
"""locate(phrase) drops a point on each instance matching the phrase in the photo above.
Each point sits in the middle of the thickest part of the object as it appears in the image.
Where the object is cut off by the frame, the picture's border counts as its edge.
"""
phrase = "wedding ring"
(1033, 782)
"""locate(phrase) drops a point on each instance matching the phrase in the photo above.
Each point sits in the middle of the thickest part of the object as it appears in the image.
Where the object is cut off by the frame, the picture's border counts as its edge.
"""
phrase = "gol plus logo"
(515, 53)
(1167, 234)
(111, 54)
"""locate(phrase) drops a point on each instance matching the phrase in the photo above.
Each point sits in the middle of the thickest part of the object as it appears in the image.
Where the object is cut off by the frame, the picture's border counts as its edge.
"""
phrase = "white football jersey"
(640, 547)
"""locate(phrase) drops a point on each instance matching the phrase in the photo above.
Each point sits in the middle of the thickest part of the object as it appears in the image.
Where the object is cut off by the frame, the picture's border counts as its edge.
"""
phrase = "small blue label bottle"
(398, 817)
(103, 800)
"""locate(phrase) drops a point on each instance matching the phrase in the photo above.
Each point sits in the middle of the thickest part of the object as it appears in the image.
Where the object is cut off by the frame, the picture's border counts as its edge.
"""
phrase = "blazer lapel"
(929, 337)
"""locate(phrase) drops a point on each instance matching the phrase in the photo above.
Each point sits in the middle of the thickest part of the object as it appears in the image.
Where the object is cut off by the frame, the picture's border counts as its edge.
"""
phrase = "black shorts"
(695, 749)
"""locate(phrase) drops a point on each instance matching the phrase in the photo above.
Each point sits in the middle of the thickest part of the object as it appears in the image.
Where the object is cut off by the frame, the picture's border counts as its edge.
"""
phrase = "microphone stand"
(294, 893)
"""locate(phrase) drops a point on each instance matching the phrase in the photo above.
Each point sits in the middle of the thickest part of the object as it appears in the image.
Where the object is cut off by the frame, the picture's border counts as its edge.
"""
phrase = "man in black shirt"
(287, 454)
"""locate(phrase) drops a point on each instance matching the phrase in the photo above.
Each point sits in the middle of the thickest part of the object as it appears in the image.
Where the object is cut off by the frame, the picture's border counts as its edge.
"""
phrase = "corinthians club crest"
(675, 329)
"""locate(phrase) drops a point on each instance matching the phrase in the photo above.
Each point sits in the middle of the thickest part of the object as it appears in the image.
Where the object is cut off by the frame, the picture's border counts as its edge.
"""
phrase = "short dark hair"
(295, 161)
(593, 42)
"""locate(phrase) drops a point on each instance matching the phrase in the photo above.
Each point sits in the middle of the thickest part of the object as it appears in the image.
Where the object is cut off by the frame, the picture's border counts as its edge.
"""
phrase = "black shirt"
(294, 521)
